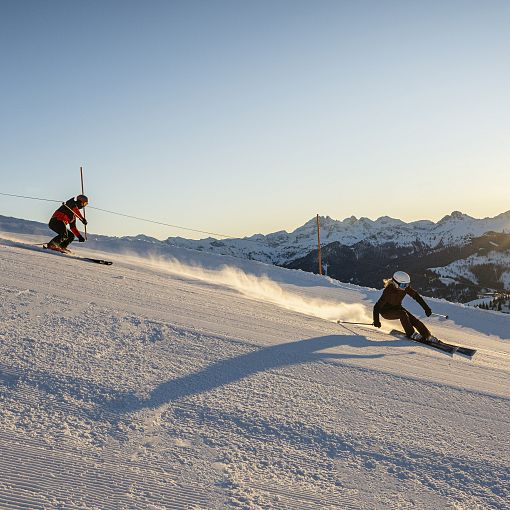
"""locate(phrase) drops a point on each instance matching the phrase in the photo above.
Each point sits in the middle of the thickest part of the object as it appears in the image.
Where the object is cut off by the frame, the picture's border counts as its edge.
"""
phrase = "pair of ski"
(431, 342)
(79, 257)
(437, 344)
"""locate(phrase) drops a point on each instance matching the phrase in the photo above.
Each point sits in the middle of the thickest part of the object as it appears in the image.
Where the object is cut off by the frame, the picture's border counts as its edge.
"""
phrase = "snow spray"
(262, 288)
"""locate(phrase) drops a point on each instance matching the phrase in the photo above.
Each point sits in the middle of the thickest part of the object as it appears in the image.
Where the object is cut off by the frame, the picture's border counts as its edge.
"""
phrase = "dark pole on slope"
(319, 244)
(359, 323)
(83, 193)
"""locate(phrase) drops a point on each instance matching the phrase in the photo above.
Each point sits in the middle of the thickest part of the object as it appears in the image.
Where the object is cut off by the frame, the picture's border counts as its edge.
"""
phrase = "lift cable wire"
(161, 223)
(132, 217)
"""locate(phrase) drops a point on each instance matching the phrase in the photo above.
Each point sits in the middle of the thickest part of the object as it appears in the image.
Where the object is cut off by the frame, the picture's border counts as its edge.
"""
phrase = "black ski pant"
(65, 237)
(408, 320)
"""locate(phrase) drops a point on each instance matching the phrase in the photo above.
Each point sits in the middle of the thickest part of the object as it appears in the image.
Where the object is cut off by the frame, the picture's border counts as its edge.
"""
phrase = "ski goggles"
(401, 285)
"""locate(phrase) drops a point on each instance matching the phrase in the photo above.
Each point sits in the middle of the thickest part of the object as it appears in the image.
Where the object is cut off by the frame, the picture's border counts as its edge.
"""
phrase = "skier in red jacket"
(390, 305)
(66, 215)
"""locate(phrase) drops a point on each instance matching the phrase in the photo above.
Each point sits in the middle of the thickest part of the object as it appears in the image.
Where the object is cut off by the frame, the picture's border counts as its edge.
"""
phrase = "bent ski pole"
(358, 323)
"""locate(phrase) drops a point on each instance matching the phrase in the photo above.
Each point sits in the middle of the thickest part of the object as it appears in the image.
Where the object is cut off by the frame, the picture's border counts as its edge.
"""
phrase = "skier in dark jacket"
(390, 305)
(66, 215)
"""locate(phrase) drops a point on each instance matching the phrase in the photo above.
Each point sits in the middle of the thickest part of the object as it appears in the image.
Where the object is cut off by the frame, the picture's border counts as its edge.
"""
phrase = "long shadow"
(111, 404)
(234, 369)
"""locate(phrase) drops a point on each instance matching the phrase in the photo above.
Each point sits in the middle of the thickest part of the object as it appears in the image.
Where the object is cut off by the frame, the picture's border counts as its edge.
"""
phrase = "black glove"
(377, 323)
(81, 239)
(84, 221)
(428, 311)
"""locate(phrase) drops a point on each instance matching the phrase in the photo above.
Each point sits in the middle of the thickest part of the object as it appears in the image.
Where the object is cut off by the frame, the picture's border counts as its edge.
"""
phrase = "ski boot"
(54, 246)
(428, 338)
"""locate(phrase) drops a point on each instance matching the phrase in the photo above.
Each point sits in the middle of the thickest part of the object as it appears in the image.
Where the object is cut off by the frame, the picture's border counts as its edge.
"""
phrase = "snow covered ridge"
(472, 268)
(484, 262)
(282, 247)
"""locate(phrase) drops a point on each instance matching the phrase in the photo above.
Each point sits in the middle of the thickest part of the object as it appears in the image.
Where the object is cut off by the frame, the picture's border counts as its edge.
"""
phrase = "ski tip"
(466, 352)
(97, 261)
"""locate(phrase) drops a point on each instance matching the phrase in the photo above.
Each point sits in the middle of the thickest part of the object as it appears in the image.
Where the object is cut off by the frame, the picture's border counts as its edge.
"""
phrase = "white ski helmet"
(401, 279)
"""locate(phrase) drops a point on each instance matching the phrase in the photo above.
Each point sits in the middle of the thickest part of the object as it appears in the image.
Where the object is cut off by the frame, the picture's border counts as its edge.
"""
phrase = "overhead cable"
(129, 216)
(160, 222)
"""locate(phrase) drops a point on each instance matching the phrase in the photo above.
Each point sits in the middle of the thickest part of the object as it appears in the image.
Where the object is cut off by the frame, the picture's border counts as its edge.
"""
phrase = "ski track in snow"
(132, 386)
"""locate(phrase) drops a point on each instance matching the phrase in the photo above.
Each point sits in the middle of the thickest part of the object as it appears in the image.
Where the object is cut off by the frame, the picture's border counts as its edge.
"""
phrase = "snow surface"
(196, 381)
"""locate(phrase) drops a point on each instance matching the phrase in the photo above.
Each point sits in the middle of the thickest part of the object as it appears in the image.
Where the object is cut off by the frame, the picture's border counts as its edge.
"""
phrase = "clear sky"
(243, 117)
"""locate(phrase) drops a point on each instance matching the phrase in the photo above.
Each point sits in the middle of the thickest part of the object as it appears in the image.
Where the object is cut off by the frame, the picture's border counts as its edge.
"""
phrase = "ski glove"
(428, 311)
(84, 221)
(377, 323)
(81, 239)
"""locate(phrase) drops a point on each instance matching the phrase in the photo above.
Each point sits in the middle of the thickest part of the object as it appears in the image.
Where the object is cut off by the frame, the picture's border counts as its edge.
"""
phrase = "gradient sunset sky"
(244, 117)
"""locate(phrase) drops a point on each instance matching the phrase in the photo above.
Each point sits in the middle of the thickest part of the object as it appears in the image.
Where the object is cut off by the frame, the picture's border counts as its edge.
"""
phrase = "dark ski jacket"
(68, 212)
(392, 297)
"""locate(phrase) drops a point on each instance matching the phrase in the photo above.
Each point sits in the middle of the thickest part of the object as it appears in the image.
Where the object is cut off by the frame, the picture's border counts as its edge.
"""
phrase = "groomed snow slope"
(151, 384)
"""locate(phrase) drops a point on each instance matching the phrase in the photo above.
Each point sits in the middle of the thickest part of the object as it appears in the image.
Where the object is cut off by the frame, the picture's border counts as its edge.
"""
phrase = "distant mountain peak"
(455, 216)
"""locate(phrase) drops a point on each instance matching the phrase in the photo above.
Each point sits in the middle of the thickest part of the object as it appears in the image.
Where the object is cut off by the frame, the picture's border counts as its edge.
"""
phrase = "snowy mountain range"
(456, 258)
(282, 247)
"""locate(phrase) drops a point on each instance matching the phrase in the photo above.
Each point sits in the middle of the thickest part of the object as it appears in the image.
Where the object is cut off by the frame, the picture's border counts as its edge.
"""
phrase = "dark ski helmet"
(401, 279)
(82, 200)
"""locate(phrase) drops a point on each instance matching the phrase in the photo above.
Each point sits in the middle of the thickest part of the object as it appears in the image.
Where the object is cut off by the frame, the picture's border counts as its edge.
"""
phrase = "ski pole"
(439, 315)
(83, 193)
(358, 323)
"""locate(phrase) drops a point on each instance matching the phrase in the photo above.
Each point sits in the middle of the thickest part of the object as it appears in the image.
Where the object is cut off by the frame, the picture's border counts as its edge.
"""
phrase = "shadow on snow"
(231, 370)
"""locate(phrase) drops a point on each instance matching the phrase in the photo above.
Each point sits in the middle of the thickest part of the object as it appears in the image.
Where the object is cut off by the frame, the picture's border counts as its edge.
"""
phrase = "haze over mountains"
(457, 258)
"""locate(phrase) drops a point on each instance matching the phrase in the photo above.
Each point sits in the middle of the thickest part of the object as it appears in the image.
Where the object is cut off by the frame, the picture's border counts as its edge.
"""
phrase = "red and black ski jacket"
(68, 212)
